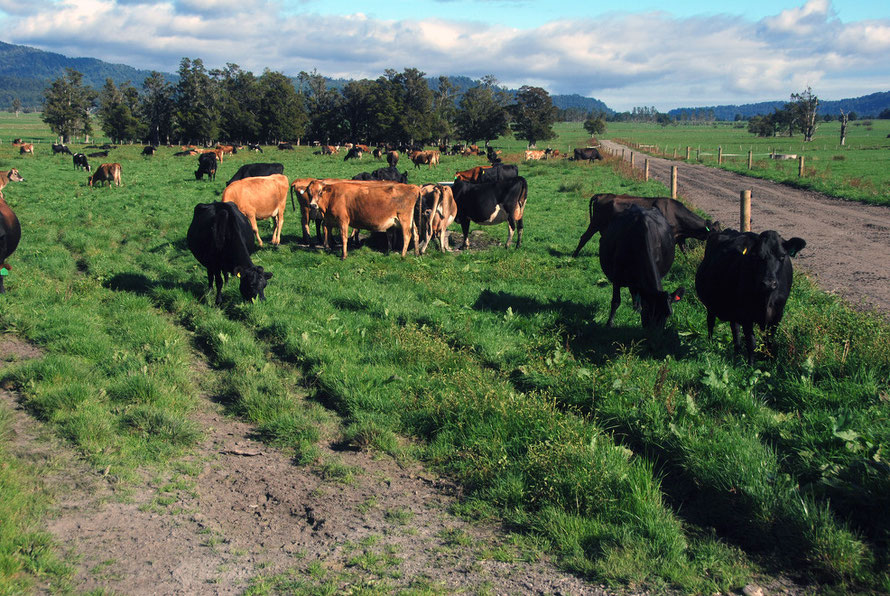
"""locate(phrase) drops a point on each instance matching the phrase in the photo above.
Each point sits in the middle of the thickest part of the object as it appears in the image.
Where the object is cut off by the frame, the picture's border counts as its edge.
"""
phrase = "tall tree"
(805, 107)
(595, 124)
(239, 104)
(67, 106)
(416, 101)
(157, 109)
(481, 113)
(359, 110)
(282, 116)
(444, 110)
(16, 106)
(324, 106)
(118, 112)
(844, 120)
(533, 115)
(197, 116)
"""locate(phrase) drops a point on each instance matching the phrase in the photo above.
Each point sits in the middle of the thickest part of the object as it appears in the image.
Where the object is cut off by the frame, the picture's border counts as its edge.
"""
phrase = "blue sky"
(677, 54)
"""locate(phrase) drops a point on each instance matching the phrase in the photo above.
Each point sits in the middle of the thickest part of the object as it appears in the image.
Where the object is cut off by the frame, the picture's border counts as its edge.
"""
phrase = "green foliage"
(533, 115)
(67, 106)
(481, 113)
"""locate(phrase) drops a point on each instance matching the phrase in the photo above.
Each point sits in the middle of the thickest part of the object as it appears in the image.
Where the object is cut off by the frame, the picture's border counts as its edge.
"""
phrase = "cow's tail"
(293, 201)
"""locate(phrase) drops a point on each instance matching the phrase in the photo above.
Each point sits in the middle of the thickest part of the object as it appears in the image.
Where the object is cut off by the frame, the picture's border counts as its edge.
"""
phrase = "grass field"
(644, 460)
(860, 170)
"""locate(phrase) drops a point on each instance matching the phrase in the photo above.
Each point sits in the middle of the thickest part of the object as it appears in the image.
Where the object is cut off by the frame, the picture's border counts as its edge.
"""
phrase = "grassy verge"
(643, 460)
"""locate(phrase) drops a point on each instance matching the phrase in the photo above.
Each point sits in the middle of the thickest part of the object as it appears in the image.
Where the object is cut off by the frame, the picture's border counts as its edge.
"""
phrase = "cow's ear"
(794, 246)
(678, 295)
(267, 275)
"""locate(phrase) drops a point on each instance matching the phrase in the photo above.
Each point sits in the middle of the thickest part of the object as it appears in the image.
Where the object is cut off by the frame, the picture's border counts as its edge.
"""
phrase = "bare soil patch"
(847, 241)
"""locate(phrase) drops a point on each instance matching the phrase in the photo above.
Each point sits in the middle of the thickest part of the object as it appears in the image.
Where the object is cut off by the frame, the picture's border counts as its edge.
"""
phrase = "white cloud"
(624, 59)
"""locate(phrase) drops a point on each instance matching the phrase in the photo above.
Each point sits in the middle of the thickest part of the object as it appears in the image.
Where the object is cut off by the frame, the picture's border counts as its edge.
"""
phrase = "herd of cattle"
(744, 278)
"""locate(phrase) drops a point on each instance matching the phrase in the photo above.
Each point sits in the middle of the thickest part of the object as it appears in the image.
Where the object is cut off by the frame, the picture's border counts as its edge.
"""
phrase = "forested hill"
(865, 106)
(25, 72)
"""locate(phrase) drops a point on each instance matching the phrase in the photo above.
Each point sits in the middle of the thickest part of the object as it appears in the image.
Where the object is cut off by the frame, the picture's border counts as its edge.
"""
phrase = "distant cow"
(490, 203)
(10, 234)
(392, 158)
(745, 278)
(330, 149)
(354, 153)
(254, 147)
(26, 148)
(392, 174)
(108, 173)
(587, 154)
(430, 158)
(285, 147)
(535, 155)
(206, 165)
(80, 162)
(149, 150)
(636, 252)
(186, 153)
(7, 177)
(98, 154)
(260, 198)
(437, 211)
(251, 170)
(221, 240)
(375, 206)
(57, 148)
(686, 224)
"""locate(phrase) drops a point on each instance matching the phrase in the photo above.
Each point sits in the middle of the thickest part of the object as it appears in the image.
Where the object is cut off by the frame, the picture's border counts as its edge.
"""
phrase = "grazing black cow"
(10, 234)
(498, 172)
(745, 278)
(221, 239)
(587, 154)
(149, 150)
(60, 149)
(353, 153)
(253, 147)
(251, 170)
(285, 147)
(185, 153)
(489, 203)
(80, 162)
(636, 252)
(206, 165)
(686, 224)
(98, 154)
(390, 173)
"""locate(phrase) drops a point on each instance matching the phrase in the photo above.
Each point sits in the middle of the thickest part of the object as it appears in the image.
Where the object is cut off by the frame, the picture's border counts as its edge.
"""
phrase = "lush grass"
(641, 459)
(859, 170)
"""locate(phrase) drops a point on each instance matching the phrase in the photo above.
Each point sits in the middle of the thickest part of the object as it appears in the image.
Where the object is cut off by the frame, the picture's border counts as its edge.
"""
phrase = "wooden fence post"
(745, 211)
(646, 171)
(800, 168)
(622, 155)
(631, 160)
(688, 148)
(750, 159)
(674, 170)
(719, 155)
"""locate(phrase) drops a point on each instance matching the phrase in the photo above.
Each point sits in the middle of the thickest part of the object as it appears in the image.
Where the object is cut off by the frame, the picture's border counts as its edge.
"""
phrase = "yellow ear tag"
(745, 251)
(239, 275)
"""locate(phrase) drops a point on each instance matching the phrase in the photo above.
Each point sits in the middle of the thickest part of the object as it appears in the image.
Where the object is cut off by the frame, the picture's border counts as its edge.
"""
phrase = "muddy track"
(847, 242)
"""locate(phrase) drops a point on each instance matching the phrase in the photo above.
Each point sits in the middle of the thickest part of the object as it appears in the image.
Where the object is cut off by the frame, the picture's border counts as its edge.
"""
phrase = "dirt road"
(847, 242)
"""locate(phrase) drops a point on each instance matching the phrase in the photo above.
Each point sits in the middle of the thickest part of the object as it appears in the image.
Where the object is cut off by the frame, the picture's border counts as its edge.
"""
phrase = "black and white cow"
(80, 162)
(636, 252)
(490, 203)
(745, 278)
(251, 170)
(59, 148)
(221, 239)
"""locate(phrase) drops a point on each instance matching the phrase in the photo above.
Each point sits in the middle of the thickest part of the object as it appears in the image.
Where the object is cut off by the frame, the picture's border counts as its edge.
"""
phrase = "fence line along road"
(847, 242)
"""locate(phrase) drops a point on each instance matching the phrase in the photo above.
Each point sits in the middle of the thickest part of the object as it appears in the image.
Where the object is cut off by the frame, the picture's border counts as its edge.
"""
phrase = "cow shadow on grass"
(588, 339)
(138, 283)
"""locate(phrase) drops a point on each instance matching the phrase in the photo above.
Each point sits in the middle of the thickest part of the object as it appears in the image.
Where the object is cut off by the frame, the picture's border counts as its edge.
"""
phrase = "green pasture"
(860, 170)
(646, 460)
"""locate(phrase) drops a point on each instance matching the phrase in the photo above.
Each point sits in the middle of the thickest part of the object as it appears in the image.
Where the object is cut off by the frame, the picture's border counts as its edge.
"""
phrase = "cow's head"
(655, 312)
(253, 282)
(769, 255)
(14, 176)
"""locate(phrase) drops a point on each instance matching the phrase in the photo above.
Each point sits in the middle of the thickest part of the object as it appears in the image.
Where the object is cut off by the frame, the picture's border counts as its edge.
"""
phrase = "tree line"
(205, 106)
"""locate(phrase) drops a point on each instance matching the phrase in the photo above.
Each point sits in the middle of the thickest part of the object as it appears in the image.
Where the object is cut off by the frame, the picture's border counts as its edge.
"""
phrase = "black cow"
(149, 150)
(745, 278)
(686, 224)
(587, 154)
(489, 203)
(80, 162)
(60, 149)
(285, 147)
(353, 153)
(99, 154)
(10, 234)
(221, 239)
(636, 251)
(206, 165)
(384, 174)
(253, 147)
(251, 170)
(498, 172)
(185, 153)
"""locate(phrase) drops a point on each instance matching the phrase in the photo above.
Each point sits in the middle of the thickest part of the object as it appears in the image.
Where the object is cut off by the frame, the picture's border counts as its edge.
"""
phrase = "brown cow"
(431, 158)
(7, 177)
(330, 149)
(107, 172)
(438, 211)
(218, 152)
(260, 197)
(298, 193)
(535, 155)
(226, 149)
(471, 175)
(366, 205)
(26, 148)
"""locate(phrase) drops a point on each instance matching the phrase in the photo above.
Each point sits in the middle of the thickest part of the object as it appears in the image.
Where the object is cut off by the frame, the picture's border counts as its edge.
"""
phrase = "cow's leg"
(279, 223)
(256, 230)
(616, 301)
(413, 229)
(736, 344)
(748, 327)
(712, 318)
(585, 237)
(465, 228)
(511, 226)
(443, 241)
(219, 285)
(518, 232)
(344, 235)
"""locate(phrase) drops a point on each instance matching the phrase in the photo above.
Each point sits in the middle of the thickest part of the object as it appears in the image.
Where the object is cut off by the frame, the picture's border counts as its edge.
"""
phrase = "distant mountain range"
(26, 72)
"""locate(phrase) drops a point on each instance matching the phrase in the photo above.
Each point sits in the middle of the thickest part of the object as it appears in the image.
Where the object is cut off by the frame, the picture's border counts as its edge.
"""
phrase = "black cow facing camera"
(745, 278)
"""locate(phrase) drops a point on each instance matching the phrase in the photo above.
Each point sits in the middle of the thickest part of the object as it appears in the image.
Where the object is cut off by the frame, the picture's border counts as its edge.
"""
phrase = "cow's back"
(219, 236)
(637, 248)
(263, 192)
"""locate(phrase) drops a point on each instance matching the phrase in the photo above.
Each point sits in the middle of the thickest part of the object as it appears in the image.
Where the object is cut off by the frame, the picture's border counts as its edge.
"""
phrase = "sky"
(683, 53)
